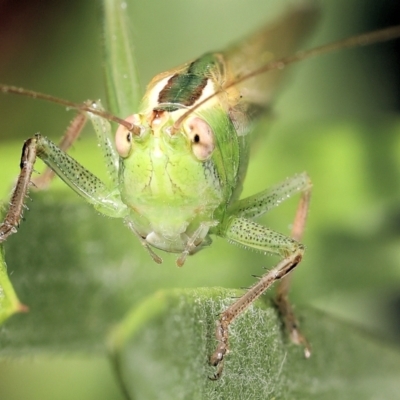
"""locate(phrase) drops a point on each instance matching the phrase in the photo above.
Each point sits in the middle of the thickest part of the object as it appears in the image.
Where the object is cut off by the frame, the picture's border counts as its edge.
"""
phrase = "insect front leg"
(104, 137)
(239, 229)
(17, 202)
(83, 182)
(70, 136)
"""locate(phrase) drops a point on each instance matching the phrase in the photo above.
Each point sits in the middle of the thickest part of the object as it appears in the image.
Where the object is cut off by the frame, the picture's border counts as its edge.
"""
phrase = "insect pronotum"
(186, 149)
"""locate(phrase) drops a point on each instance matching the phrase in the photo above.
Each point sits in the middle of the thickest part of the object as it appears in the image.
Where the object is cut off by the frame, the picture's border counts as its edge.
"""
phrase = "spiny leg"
(78, 178)
(238, 229)
(105, 141)
(254, 206)
(104, 137)
(83, 182)
(243, 232)
(231, 313)
(17, 201)
(282, 299)
(70, 136)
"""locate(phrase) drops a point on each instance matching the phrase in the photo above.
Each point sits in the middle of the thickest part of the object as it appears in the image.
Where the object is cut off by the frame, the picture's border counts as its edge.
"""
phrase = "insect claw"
(217, 374)
(299, 339)
(307, 352)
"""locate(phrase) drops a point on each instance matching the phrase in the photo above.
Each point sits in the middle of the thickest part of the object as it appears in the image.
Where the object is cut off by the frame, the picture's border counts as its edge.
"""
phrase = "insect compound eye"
(123, 138)
(123, 141)
(202, 138)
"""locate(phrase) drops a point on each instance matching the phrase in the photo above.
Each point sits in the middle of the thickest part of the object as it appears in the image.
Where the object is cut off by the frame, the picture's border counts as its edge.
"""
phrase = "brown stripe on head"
(183, 89)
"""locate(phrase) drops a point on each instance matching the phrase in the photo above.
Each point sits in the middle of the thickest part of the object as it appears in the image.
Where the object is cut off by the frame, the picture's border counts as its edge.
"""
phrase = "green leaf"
(123, 90)
(162, 351)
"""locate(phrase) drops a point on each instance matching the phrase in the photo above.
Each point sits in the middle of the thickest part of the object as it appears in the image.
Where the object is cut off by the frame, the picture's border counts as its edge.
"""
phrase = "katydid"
(177, 166)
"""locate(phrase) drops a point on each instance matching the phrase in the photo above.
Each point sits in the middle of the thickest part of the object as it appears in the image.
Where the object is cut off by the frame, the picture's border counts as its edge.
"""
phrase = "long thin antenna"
(88, 106)
(364, 39)
(355, 41)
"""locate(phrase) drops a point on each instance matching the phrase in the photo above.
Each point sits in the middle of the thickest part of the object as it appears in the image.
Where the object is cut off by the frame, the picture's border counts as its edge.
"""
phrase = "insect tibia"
(17, 203)
(232, 312)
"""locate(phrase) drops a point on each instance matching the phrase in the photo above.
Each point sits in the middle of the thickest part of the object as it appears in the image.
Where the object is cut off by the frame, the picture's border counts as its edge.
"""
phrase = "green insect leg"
(71, 134)
(249, 234)
(260, 203)
(83, 182)
(105, 141)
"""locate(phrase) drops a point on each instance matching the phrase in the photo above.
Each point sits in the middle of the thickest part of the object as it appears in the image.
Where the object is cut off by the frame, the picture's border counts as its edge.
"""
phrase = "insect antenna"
(364, 39)
(88, 106)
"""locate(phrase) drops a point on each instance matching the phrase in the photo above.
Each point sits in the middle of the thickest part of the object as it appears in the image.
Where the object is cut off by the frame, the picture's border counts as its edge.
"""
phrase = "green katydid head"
(194, 135)
(167, 175)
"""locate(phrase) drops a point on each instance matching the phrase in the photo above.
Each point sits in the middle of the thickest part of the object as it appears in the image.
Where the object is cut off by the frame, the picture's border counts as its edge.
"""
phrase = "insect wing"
(271, 42)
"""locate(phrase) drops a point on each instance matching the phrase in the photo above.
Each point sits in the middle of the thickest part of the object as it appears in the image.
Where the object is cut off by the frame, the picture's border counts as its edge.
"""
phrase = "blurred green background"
(336, 118)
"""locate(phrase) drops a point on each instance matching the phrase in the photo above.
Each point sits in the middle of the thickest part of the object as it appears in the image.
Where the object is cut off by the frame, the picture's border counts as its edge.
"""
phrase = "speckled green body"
(168, 190)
